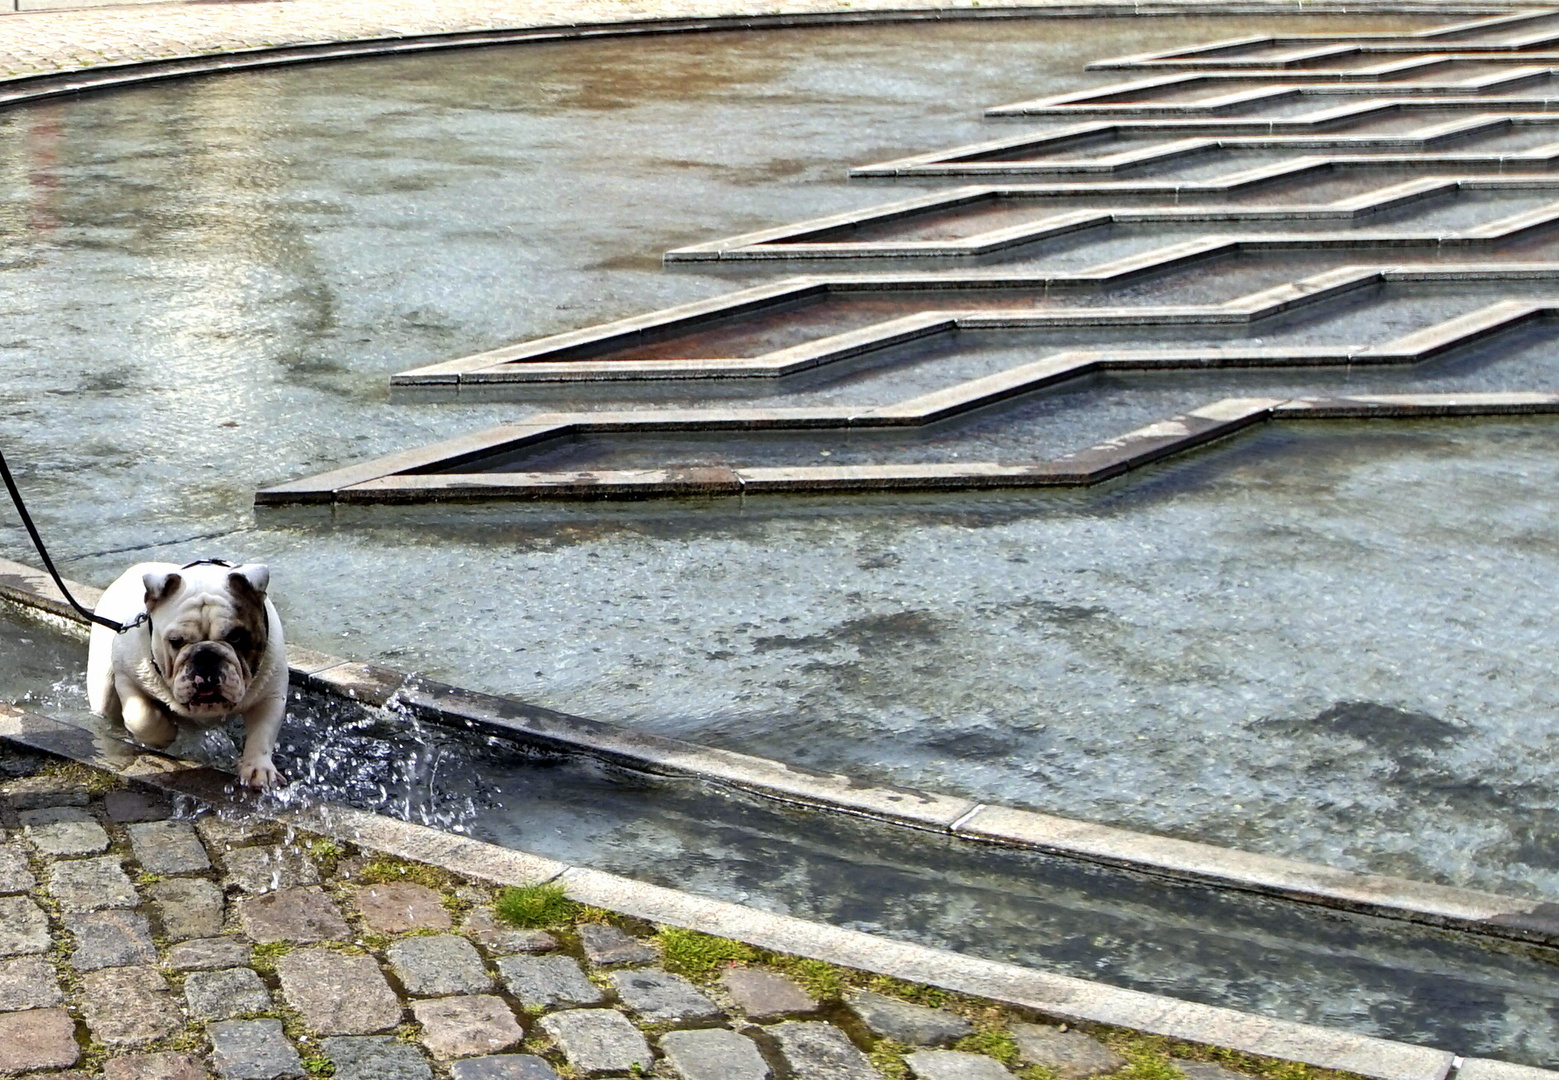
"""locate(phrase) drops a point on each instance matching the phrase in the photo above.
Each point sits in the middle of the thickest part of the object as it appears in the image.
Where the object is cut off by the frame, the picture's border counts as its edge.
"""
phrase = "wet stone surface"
(375, 1057)
(661, 997)
(188, 907)
(65, 830)
(168, 847)
(714, 1054)
(818, 1051)
(606, 944)
(914, 1025)
(439, 965)
(294, 916)
(1070, 1054)
(395, 908)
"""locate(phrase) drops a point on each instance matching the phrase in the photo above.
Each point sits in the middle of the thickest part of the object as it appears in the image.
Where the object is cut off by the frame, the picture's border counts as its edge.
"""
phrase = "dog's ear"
(251, 577)
(159, 586)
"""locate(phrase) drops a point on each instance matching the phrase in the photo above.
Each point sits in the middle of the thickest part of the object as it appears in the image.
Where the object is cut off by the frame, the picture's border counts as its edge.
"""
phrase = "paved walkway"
(49, 41)
(138, 944)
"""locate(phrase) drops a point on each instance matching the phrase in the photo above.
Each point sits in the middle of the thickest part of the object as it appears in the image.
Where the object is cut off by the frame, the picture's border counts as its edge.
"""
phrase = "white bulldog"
(209, 645)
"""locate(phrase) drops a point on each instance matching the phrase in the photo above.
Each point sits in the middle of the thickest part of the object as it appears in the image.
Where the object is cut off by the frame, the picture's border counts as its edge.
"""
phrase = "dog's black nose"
(205, 663)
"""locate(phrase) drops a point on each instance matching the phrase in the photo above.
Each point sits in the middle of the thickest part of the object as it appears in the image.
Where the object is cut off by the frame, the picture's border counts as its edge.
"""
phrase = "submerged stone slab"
(953, 1065)
(188, 907)
(225, 994)
(714, 1054)
(90, 884)
(113, 938)
(1070, 1054)
(253, 1050)
(765, 995)
(439, 965)
(301, 916)
(37, 792)
(903, 1022)
(209, 954)
(598, 1041)
(375, 1057)
(662, 998)
(37, 1039)
(546, 982)
(456, 1027)
(128, 1006)
(817, 1051)
(168, 847)
(338, 994)
(504, 1067)
(24, 928)
(396, 908)
(126, 805)
(28, 982)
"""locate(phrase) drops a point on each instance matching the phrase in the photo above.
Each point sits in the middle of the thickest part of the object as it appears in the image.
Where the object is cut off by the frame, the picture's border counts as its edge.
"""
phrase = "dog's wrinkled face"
(208, 636)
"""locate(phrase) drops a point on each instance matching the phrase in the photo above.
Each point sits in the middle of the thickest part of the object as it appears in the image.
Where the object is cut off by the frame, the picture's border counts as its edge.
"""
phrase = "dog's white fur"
(153, 685)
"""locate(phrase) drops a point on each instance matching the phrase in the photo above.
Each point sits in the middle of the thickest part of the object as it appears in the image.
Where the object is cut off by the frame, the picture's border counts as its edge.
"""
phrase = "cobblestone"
(225, 994)
(208, 954)
(393, 909)
(90, 884)
(37, 1039)
(338, 994)
(714, 1054)
(35, 792)
(127, 806)
(188, 907)
(914, 1025)
(546, 982)
(456, 1027)
(24, 928)
(28, 982)
(299, 916)
(607, 944)
(63, 830)
(764, 995)
(114, 938)
(15, 877)
(253, 1050)
(504, 1067)
(168, 847)
(953, 1065)
(155, 1067)
(1071, 1055)
(659, 997)
(258, 870)
(128, 1006)
(814, 1050)
(503, 940)
(598, 1041)
(439, 965)
(375, 1057)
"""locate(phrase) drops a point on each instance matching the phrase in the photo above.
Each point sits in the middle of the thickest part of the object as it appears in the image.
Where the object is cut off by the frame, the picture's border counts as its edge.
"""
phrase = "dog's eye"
(237, 637)
(175, 642)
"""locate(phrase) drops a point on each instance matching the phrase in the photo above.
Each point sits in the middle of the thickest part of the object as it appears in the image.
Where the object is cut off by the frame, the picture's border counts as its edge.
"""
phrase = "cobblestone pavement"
(141, 943)
(43, 41)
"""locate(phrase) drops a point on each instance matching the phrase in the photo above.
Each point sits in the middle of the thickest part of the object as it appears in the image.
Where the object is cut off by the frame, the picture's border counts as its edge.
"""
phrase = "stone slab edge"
(1057, 996)
(1205, 864)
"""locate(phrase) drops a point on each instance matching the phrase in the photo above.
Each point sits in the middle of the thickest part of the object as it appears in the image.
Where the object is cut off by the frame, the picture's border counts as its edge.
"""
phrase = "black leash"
(48, 563)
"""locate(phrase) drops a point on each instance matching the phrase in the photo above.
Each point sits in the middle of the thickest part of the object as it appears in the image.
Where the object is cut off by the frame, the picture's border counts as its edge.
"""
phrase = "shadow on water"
(1363, 974)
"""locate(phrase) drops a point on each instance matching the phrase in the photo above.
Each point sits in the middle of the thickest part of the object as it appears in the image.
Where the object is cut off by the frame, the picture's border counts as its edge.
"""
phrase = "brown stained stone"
(338, 994)
(396, 908)
(607, 944)
(765, 995)
(128, 1006)
(28, 982)
(300, 916)
(37, 1039)
(188, 907)
(209, 954)
(457, 1027)
(155, 1067)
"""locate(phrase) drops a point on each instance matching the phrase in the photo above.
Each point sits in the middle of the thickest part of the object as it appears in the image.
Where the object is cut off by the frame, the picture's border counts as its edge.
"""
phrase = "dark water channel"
(1224, 948)
(1329, 643)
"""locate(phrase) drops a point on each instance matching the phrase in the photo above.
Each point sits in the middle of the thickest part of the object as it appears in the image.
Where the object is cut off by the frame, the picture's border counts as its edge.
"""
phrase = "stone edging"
(1057, 996)
(1423, 903)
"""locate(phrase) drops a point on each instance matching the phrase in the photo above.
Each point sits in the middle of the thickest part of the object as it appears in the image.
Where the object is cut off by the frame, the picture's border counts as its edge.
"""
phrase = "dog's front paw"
(259, 773)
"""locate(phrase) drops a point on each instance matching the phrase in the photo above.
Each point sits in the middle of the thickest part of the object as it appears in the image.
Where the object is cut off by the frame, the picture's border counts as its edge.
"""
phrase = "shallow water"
(1327, 641)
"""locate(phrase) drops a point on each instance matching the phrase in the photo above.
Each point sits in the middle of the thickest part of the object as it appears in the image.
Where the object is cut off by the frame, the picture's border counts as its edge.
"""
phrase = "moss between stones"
(535, 907)
(688, 952)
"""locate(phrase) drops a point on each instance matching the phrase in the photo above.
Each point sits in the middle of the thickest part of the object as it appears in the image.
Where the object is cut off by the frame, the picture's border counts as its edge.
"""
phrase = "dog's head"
(209, 634)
